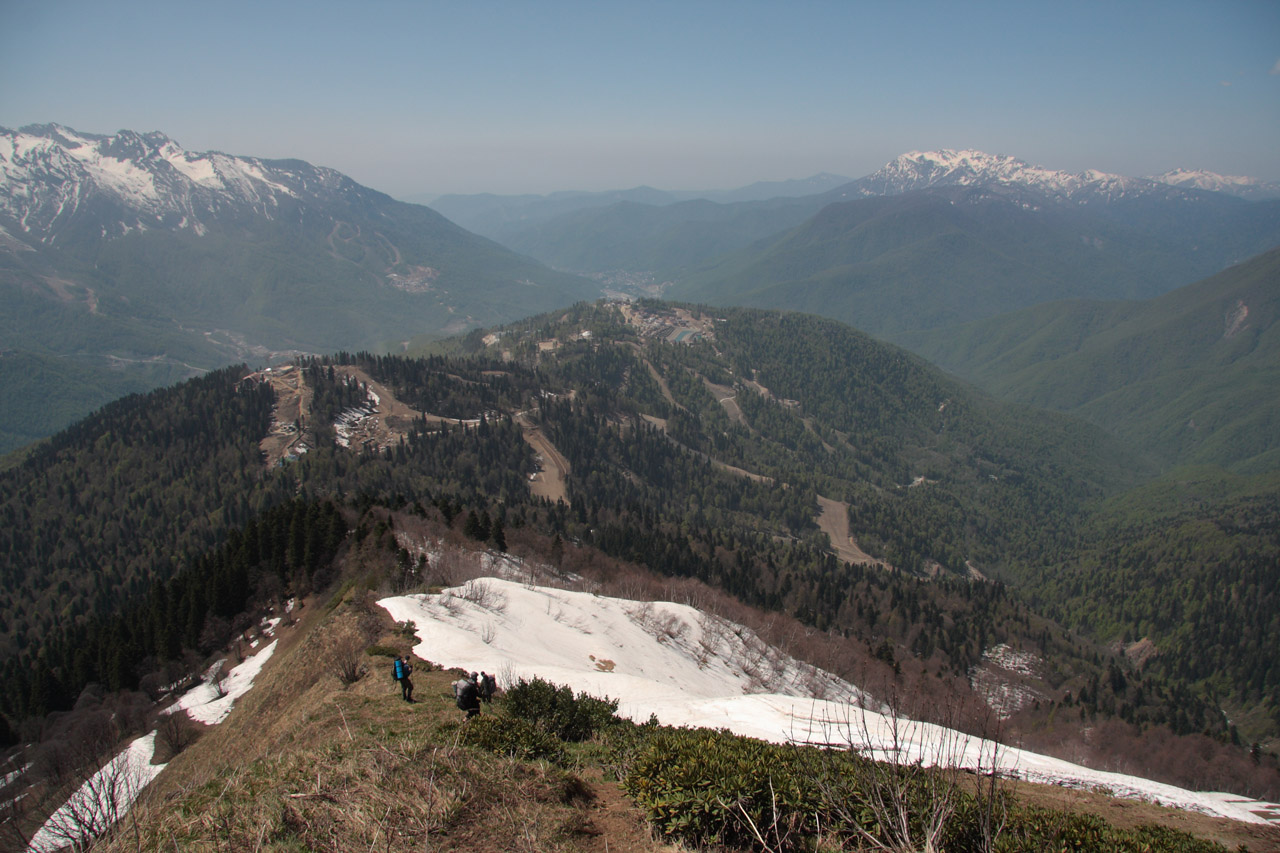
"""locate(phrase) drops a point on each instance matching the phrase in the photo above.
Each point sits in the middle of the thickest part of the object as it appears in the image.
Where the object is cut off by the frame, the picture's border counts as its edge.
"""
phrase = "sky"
(424, 98)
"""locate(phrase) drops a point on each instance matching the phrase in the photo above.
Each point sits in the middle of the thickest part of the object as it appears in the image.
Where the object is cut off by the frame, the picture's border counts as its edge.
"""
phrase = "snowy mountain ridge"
(54, 179)
(919, 170)
(1237, 185)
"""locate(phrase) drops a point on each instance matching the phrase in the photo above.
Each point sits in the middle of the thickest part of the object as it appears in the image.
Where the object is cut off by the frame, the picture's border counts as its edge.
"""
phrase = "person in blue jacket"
(401, 670)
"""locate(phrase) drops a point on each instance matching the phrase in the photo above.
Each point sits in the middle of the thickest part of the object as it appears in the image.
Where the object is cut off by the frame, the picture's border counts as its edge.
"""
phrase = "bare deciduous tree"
(346, 662)
(174, 733)
(911, 779)
(99, 787)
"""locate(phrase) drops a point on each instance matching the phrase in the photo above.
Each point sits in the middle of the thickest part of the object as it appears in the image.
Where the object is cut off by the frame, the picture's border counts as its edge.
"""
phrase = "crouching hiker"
(467, 694)
(401, 670)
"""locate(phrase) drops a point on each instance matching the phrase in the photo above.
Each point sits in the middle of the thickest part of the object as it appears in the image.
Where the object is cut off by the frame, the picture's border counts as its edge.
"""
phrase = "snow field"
(203, 704)
(102, 800)
(691, 669)
(107, 796)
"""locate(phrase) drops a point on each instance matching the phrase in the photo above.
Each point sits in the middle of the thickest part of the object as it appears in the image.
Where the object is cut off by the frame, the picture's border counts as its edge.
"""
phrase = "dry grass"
(306, 762)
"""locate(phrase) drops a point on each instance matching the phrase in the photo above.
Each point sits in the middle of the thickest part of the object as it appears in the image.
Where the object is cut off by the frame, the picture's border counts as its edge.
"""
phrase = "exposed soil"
(390, 420)
(292, 409)
(550, 482)
(833, 519)
(615, 824)
(725, 397)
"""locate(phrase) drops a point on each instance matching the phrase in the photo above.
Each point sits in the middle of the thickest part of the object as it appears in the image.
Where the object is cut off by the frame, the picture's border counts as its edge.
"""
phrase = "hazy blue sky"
(474, 96)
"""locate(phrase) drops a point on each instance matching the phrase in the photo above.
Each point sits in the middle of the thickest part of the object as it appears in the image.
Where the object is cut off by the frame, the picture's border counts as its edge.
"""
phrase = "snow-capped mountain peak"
(1237, 185)
(918, 170)
(54, 179)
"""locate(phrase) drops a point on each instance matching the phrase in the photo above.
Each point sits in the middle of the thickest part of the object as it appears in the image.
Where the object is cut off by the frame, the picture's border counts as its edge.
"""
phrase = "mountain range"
(1237, 185)
(497, 215)
(126, 260)
(931, 239)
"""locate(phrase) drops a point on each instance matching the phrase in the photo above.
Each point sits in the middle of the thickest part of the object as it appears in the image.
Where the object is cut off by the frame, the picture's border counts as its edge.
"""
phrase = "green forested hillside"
(700, 459)
(923, 260)
(92, 516)
(1191, 376)
(1191, 561)
(664, 239)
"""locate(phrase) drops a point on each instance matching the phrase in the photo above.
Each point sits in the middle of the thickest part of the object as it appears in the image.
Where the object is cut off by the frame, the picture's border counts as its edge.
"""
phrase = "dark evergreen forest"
(128, 537)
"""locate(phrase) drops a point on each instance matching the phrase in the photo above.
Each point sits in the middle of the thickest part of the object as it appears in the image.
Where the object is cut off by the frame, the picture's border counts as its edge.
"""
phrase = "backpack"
(467, 696)
(397, 669)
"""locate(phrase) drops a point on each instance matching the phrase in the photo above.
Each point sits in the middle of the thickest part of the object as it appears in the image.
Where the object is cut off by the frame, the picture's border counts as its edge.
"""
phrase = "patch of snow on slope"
(102, 800)
(204, 705)
(1237, 185)
(918, 170)
(647, 655)
(194, 167)
(690, 668)
(122, 177)
(1004, 677)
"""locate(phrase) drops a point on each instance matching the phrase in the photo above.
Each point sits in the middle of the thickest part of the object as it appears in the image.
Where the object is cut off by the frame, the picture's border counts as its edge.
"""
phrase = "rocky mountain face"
(76, 192)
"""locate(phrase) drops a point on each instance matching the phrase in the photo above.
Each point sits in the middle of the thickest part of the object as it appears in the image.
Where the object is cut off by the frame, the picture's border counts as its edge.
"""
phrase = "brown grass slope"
(307, 763)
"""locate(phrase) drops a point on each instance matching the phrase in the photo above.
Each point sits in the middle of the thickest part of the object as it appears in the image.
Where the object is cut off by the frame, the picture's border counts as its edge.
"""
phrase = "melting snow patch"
(690, 668)
(211, 701)
(102, 800)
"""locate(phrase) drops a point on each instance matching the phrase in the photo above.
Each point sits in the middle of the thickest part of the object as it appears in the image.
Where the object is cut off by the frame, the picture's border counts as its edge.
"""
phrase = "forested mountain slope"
(1191, 561)
(658, 436)
(941, 256)
(706, 444)
(1192, 375)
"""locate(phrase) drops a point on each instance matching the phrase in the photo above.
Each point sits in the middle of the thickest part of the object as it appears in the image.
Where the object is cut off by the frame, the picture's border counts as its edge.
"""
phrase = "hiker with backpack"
(467, 694)
(401, 669)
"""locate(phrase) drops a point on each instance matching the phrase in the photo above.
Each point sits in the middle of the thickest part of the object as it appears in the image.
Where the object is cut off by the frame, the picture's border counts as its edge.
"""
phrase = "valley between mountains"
(235, 386)
(624, 407)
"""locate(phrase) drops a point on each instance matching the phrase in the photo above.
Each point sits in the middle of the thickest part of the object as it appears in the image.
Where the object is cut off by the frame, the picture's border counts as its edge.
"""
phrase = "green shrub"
(1032, 829)
(557, 711)
(514, 738)
(708, 787)
(715, 789)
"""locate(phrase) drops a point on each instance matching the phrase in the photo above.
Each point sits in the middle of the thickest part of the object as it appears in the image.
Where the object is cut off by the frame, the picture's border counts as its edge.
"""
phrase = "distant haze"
(418, 99)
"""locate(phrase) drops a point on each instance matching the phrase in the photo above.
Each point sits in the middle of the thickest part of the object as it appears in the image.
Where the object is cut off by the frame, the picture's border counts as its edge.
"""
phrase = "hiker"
(467, 694)
(401, 670)
(482, 687)
(488, 686)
